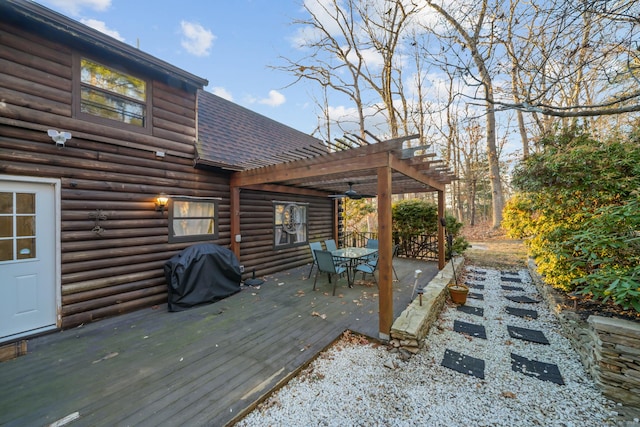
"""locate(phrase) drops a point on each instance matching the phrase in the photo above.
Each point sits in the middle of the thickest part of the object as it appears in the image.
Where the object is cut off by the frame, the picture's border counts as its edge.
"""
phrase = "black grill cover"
(200, 274)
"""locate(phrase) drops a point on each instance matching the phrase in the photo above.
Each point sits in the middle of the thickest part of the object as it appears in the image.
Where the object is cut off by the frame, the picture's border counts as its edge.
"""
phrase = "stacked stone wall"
(609, 348)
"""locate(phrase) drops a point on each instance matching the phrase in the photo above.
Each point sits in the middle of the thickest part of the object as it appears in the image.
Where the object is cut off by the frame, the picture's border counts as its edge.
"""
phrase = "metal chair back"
(314, 246)
(330, 245)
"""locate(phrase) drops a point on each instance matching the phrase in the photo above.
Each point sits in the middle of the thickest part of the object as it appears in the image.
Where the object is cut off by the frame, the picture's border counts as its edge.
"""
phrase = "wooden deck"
(202, 366)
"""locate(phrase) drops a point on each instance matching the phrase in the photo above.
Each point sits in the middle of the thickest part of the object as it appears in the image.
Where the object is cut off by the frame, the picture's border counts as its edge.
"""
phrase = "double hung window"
(107, 93)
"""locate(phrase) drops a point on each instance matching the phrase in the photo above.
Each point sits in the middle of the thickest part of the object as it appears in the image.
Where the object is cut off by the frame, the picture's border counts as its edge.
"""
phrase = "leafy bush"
(416, 217)
(578, 208)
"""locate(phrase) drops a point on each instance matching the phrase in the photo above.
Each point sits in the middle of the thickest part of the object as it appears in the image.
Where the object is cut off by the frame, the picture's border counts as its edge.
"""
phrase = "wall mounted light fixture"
(161, 201)
(59, 137)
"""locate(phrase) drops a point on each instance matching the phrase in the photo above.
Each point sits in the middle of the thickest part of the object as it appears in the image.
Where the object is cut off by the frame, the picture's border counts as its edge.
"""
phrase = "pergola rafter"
(380, 168)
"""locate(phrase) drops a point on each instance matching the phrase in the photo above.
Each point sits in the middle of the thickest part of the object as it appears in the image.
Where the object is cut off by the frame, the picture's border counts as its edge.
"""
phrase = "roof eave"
(88, 35)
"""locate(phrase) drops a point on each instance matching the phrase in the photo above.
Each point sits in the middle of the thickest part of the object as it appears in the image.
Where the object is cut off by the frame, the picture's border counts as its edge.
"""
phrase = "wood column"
(441, 239)
(235, 217)
(385, 252)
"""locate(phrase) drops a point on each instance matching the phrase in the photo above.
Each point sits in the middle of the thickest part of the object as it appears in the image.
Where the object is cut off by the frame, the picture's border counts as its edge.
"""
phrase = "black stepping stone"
(463, 364)
(522, 312)
(512, 288)
(471, 329)
(475, 295)
(479, 279)
(474, 286)
(507, 272)
(477, 271)
(476, 311)
(527, 334)
(533, 368)
(511, 279)
(522, 299)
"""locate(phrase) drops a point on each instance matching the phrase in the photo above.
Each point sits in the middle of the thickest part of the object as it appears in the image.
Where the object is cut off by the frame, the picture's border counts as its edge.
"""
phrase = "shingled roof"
(236, 138)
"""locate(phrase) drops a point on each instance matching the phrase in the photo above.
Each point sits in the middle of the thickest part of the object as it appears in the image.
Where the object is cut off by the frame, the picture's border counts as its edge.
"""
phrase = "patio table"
(352, 255)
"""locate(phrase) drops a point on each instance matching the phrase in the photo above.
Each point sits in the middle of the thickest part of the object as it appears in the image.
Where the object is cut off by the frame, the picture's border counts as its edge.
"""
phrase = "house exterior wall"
(256, 224)
(103, 170)
(115, 264)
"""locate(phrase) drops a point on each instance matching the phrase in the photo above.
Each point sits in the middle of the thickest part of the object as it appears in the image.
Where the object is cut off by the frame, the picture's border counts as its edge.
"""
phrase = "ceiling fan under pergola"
(352, 194)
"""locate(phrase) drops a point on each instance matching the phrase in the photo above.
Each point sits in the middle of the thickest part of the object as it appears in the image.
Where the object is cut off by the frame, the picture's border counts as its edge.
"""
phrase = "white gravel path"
(349, 384)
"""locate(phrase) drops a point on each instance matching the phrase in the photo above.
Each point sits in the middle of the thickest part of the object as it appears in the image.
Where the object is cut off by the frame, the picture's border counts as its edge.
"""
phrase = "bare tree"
(580, 57)
(468, 32)
(352, 48)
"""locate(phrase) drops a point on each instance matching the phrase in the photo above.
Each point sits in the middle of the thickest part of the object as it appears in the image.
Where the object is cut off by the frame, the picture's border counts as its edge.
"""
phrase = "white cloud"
(196, 39)
(102, 27)
(222, 93)
(275, 98)
(74, 6)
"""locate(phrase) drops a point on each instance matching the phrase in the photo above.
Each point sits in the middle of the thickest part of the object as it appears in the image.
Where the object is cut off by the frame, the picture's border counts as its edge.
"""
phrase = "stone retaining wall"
(609, 348)
(410, 329)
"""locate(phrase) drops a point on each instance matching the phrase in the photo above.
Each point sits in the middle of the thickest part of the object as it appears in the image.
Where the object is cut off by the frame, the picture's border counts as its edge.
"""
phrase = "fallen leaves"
(108, 356)
(316, 314)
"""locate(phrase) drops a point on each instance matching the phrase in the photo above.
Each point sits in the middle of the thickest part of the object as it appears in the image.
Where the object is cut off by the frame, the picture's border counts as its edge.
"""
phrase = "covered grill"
(201, 274)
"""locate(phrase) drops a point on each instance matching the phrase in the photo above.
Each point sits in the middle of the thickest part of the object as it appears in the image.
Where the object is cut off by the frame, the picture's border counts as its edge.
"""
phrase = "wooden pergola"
(380, 168)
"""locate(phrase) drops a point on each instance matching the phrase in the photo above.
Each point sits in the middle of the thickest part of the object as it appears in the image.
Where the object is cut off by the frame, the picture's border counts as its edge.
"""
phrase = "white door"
(28, 295)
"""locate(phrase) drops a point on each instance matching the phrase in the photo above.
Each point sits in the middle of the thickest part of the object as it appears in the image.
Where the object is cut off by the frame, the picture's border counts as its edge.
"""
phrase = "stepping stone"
(522, 299)
(507, 273)
(527, 334)
(521, 312)
(471, 329)
(463, 364)
(512, 288)
(511, 279)
(475, 295)
(479, 279)
(533, 368)
(474, 286)
(476, 311)
(477, 271)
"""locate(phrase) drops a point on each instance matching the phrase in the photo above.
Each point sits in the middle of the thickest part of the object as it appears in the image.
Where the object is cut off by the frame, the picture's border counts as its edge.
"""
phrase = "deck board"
(233, 352)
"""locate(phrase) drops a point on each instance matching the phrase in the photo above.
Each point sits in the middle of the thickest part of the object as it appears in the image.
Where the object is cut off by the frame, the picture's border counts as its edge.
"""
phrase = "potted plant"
(458, 293)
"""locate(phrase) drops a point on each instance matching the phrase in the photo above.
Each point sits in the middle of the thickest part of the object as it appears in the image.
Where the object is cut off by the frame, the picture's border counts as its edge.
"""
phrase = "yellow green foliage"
(578, 208)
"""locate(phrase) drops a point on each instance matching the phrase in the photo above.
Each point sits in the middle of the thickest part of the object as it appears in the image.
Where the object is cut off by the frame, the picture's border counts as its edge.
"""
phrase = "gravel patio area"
(500, 360)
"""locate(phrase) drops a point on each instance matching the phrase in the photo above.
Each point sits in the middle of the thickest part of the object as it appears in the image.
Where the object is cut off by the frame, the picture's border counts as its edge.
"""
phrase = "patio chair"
(396, 248)
(314, 246)
(368, 267)
(330, 245)
(327, 265)
(372, 243)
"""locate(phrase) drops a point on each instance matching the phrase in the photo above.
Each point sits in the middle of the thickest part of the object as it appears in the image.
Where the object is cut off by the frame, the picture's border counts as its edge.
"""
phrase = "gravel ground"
(356, 383)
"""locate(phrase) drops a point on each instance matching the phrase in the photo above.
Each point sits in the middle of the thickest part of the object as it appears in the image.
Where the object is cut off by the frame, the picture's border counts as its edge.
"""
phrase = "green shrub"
(578, 209)
(415, 217)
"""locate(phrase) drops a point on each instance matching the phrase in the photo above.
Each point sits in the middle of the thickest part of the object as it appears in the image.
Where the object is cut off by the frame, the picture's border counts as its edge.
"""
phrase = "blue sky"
(230, 43)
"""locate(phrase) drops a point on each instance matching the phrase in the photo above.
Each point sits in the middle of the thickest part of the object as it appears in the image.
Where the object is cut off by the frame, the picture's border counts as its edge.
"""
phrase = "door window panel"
(17, 226)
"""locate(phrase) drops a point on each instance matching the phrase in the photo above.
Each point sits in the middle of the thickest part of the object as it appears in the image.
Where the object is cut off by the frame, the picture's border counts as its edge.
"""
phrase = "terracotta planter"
(458, 293)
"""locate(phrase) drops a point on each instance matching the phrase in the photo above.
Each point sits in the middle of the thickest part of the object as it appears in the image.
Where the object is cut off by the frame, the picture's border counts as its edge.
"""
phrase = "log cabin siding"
(256, 225)
(112, 265)
(115, 264)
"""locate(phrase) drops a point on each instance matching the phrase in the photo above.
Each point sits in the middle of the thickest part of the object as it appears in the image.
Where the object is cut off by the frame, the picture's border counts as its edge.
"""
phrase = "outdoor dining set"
(347, 260)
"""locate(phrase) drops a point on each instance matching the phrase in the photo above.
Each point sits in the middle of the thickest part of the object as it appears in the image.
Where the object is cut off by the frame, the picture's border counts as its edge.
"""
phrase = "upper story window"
(192, 219)
(110, 94)
(290, 224)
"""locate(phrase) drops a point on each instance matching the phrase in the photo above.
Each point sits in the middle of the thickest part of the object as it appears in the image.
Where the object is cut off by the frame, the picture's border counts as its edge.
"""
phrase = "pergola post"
(235, 217)
(385, 252)
(441, 252)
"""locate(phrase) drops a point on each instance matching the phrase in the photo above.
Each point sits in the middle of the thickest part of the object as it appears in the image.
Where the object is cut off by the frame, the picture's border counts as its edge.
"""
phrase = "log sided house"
(93, 131)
